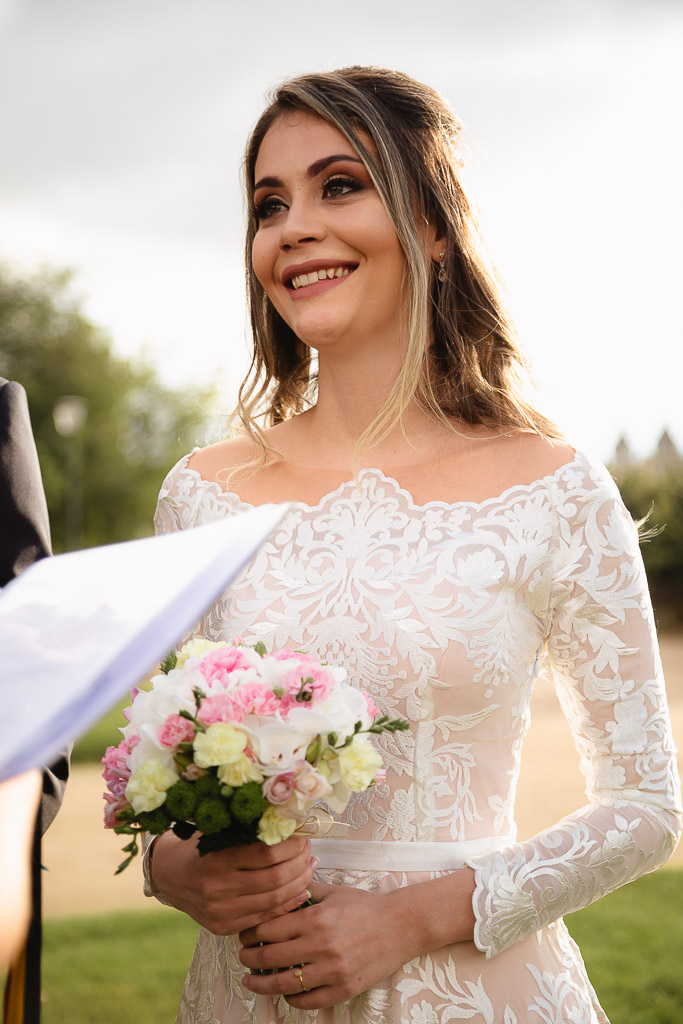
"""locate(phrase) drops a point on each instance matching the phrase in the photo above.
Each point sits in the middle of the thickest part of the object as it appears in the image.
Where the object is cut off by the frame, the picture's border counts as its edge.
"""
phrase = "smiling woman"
(323, 229)
(443, 545)
(400, 140)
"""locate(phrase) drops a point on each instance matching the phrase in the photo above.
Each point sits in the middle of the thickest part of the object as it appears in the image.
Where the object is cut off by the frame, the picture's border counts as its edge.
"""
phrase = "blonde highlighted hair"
(462, 359)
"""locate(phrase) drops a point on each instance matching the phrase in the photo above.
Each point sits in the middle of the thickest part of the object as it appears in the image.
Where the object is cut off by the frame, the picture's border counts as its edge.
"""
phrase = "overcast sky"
(122, 128)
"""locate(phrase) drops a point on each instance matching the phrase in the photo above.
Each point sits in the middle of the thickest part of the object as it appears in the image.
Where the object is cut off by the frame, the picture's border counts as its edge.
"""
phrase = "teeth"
(319, 275)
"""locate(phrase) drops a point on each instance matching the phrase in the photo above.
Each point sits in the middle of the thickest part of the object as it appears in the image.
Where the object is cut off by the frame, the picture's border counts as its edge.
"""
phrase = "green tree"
(656, 495)
(136, 427)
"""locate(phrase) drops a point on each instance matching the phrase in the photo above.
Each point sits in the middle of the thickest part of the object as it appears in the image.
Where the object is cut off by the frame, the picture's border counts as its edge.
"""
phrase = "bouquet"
(238, 746)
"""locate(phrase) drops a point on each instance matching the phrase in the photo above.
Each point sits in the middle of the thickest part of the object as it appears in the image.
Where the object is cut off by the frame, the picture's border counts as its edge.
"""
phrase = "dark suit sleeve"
(24, 532)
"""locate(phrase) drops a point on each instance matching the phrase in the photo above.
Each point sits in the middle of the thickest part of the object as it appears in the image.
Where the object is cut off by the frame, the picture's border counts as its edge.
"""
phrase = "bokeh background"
(122, 286)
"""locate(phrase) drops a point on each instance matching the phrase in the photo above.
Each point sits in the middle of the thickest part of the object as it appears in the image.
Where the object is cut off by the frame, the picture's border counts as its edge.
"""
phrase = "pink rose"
(278, 789)
(309, 785)
(256, 699)
(193, 772)
(220, 707)
(380, 776)
(217, 665)
(175, 730)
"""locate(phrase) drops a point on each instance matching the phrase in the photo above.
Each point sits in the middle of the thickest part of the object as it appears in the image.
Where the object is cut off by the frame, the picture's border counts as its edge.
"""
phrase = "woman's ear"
(434, 241)
(438, 248)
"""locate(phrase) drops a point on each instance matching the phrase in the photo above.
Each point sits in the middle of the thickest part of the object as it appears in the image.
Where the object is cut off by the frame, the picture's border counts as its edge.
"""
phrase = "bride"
(443, 544)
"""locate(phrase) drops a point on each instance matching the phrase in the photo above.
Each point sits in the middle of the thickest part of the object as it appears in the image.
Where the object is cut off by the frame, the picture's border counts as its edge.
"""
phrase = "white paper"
(79, 630)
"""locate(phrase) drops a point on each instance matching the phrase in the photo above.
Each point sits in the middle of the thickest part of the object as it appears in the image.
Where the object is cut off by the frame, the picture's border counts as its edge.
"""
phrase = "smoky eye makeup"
(334, 185)
(337, 185)
(267, 207)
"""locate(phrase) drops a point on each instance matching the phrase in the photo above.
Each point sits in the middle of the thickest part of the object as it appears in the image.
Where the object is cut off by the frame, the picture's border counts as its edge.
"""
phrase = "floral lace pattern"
(446, 613)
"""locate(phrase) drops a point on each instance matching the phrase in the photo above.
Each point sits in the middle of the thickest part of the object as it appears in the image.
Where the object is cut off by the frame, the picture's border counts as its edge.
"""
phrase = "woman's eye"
(340, 186)
(269, 207)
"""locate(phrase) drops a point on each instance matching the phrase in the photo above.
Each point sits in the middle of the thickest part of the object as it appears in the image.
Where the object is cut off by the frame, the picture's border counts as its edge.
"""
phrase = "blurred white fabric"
(78, 630)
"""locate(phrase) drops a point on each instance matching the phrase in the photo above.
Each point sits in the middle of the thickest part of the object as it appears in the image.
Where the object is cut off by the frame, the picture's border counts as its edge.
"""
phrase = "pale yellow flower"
(146, 789)
(274, 827)
(199, 646)
(358, 763)
(220, 744)
(239, 772)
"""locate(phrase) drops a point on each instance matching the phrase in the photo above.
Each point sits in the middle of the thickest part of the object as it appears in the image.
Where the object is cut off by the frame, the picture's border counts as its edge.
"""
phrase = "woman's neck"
(327, 435)
(351, 394)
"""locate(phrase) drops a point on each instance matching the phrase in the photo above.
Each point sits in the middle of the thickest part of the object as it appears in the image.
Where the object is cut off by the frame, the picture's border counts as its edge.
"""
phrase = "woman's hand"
(233, 889)
(351, 940)
(337, 941)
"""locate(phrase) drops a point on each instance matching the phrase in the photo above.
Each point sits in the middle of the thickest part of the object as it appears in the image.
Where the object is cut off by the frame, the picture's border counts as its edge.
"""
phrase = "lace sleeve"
(602, 651)
(174, 509)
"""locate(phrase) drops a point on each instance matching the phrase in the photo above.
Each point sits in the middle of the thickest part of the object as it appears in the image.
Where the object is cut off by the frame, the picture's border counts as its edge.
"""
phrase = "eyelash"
(351, 184)
(271, 205)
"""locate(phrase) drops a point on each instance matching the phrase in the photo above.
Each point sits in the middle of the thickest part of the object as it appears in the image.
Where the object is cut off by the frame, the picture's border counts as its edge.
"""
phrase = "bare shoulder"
(484, 462)
(530, 457)
(217, 461)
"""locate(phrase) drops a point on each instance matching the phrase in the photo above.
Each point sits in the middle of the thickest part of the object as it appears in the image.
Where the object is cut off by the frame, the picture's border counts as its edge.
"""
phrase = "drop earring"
(442, 267)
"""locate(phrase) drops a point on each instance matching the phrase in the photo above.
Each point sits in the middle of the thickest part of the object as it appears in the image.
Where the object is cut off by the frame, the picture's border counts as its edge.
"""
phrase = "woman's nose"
(301, 224)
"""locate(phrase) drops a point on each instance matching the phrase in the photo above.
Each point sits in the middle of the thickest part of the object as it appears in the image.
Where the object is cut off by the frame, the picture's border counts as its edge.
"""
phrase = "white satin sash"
(353, 854)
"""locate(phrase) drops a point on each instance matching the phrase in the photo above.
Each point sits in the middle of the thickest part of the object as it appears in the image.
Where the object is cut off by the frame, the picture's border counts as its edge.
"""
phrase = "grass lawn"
(123, 968)
(632, 943)
(128, 968)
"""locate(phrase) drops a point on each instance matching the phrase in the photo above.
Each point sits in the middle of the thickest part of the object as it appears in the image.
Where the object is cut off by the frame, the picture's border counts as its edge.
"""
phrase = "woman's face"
(326, 251)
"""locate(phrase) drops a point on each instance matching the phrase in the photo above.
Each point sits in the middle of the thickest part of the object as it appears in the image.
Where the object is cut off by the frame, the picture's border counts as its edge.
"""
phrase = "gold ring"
(300, 975)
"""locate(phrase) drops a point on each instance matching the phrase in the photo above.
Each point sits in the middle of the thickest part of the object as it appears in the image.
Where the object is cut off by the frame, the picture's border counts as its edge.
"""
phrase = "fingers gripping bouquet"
(239, 746)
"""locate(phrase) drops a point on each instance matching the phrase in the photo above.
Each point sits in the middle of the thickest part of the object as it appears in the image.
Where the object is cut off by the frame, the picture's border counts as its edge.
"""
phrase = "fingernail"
(314, 863)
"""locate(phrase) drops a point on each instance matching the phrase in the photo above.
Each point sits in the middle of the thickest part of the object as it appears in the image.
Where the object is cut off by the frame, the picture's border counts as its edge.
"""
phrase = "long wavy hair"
(462, 360)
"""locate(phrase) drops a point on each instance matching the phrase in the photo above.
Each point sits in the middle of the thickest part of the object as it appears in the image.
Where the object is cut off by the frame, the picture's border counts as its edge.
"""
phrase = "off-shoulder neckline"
(523, 488)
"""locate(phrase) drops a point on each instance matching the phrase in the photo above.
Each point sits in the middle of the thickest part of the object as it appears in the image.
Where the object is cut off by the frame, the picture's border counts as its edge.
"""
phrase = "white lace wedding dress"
(445, 613)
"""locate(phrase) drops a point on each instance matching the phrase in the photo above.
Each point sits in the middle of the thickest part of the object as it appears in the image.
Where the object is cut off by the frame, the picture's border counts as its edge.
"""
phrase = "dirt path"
(81, 856)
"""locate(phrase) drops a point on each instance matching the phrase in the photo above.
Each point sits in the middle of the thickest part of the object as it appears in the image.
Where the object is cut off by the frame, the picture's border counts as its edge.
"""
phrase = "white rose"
(345, 706)
(151, 708)
(312, 721)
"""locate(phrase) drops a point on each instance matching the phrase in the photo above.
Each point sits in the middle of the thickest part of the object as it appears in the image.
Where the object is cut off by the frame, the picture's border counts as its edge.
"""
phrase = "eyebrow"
(311, 171)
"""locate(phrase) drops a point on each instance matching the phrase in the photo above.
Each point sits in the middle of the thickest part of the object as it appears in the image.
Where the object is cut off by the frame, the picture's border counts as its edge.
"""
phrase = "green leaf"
(169, 662)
